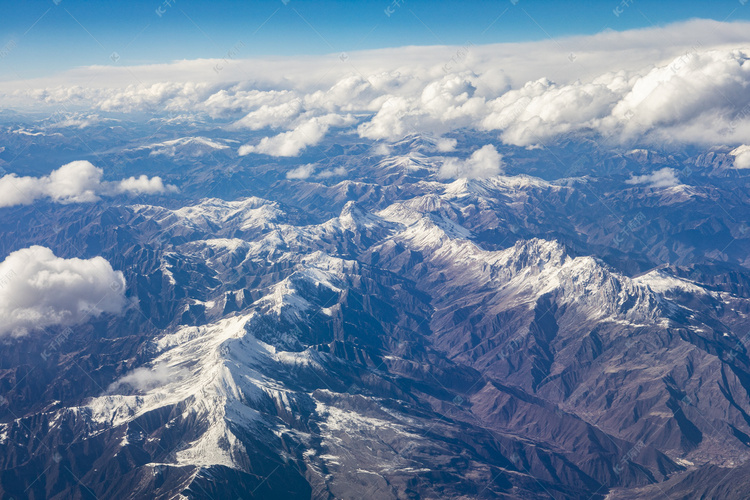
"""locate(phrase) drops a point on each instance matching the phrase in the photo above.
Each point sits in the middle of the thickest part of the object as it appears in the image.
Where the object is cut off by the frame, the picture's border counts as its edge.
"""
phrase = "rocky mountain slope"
(393, 334)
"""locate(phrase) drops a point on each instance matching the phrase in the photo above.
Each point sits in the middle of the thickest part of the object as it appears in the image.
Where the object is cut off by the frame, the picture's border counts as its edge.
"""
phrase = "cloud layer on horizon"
(655, 87)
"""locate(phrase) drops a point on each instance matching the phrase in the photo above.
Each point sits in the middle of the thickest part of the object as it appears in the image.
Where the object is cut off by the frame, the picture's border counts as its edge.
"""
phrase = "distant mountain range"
(575, 327)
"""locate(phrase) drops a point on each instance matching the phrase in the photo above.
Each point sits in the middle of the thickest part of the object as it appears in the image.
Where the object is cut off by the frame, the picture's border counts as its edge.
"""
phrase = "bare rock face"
(398, 336)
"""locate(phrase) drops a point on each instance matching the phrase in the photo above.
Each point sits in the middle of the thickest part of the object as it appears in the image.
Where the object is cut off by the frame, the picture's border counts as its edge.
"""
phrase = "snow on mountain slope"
(412, 162)
(499, 184)
(367, 335)
(192, 146)
(661, 282)
(194, 363)
(355, 219)
(215, 216)
(216, 373)
(531, 269)
(284, 297)
(429, 218)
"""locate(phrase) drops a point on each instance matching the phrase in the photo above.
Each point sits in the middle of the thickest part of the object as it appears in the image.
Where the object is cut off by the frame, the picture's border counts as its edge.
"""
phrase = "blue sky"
(43, 37)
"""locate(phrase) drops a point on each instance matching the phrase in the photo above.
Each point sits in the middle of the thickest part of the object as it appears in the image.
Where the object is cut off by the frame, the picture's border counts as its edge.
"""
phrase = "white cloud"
(235, 100)
(542, 109)
(700, 97)
(652, 85)
(382, 149)
(307, 171)
(38, 289)
(446, 144)
(484, 162)
(301, 172)
(666, 177)
(144, 379)
(273, 116)
(741, 156)
(691, 92)
(142, 185)
(308, 133)
(332, 172)
(390, 122)
(74, 182)
(445, 104)
(172, 96)
(75, 120)
(521, 62)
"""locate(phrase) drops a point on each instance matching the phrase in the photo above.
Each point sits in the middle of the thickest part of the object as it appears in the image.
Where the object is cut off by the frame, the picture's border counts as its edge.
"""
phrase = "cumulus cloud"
(382, 149)
(273, 116)
(39, 289)
(74, 182)
(75, 120)
(446, 144)
(484, 162)
(698, 97)
(741, 156)
(331, 172)
(666, 177)
(301, 172)
(446, 104)
(306, 171)
(172, 96)
(141, 185)
(308, 133)
(542, 109)
(144, 379)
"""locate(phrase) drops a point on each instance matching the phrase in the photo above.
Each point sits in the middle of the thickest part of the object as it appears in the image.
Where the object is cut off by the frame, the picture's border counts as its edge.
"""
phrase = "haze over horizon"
(42, 37)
